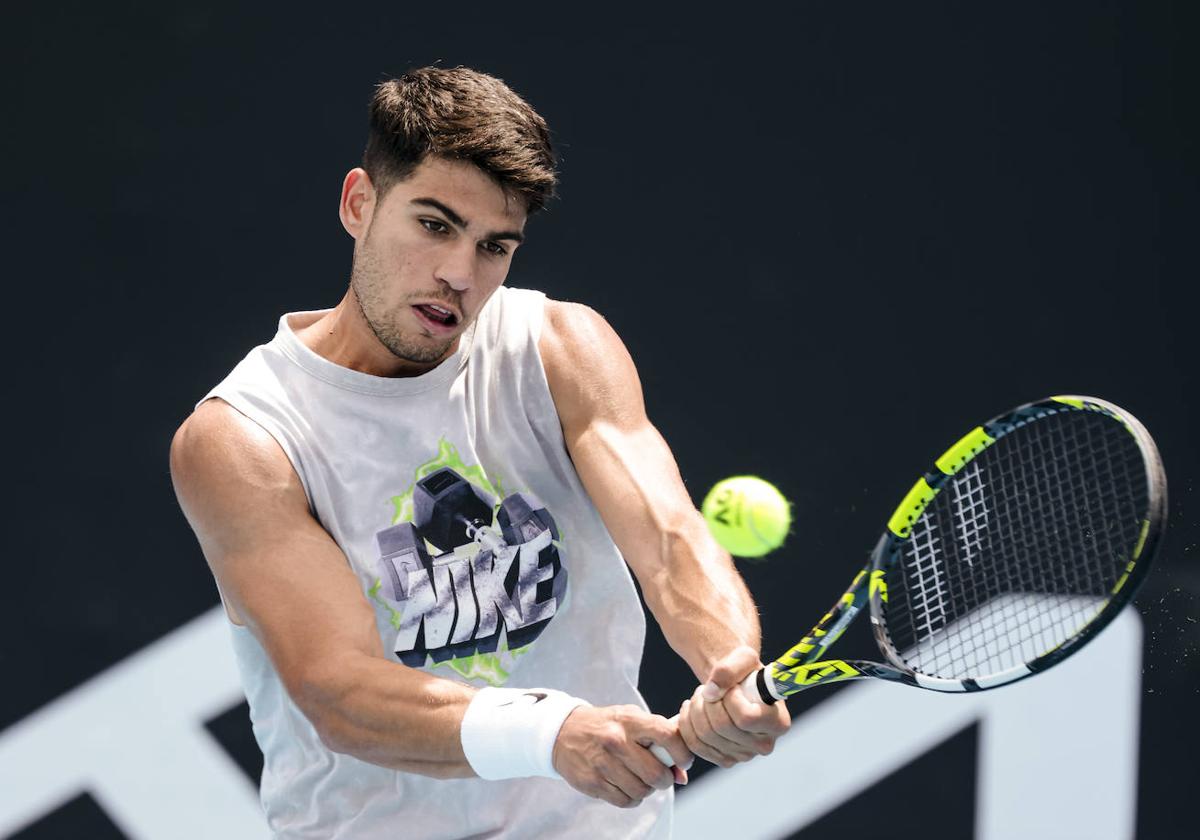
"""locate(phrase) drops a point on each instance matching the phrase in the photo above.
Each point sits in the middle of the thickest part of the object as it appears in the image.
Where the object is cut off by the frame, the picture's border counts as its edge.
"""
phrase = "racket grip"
(749, 688)
(750, 691)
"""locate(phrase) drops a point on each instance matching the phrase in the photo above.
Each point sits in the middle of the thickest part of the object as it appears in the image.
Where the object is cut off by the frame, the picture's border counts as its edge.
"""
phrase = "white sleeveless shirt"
(533, 592)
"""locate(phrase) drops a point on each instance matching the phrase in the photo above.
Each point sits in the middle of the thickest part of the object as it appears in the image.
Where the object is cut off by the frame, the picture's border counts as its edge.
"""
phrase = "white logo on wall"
(134, 738)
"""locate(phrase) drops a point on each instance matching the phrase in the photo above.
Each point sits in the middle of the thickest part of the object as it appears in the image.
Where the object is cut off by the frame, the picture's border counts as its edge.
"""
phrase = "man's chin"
(422, 354)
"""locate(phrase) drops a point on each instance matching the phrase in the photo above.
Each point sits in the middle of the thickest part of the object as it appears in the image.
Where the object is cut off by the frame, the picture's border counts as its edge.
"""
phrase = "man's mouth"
(439, 316)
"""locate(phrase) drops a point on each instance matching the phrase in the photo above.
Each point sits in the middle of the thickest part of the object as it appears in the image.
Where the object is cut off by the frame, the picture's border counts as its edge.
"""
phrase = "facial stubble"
(369, 283)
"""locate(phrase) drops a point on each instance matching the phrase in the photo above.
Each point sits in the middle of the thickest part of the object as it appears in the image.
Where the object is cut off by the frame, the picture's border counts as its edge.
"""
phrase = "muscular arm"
(282, 575)
(689, 582)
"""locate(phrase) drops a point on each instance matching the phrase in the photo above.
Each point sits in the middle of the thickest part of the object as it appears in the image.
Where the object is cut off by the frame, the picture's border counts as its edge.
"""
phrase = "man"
(419, 505)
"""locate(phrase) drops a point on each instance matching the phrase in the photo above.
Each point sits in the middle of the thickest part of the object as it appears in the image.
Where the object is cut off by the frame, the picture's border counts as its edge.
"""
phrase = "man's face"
(435, 249)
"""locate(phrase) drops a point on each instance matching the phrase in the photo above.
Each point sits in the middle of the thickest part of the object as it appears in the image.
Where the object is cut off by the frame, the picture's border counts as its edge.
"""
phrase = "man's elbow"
(322, 694)
(318, 693)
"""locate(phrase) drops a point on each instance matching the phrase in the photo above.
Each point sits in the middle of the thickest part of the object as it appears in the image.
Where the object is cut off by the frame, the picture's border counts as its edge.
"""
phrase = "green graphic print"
(496, 580)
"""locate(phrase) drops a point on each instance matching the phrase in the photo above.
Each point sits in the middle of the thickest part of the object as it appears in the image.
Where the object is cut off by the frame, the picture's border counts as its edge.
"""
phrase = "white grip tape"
(509, 733)
(750, 688)
(662, 755)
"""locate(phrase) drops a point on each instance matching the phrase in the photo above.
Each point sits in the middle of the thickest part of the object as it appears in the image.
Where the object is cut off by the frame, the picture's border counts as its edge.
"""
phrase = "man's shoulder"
(587, 366)
(213, 420)
(217, 439)
(573, 325)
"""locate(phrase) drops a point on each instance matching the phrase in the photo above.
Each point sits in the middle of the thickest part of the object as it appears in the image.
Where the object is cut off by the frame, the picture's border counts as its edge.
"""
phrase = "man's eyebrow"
(459, 221)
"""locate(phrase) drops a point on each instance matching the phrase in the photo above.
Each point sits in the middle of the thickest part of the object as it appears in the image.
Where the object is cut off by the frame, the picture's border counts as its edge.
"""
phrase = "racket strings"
(971, 512)
(1020, 550)
(1032, 624)
(1044, 622)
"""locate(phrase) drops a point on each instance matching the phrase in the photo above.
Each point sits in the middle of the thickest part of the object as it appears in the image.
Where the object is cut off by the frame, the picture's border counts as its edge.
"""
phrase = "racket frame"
(802, 668)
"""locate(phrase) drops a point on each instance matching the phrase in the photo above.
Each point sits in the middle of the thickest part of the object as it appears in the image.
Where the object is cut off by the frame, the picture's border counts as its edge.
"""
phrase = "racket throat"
(835, 631)
(781, 683)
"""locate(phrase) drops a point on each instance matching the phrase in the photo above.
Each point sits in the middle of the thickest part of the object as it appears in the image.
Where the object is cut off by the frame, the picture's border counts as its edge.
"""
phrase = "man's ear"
(358, 202)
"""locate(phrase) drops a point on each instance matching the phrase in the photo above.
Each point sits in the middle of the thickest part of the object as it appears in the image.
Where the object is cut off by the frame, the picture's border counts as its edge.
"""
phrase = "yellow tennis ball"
(748, 516)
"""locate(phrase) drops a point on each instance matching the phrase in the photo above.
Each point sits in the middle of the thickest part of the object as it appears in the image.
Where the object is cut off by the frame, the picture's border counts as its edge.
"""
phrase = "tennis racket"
(1022, 542)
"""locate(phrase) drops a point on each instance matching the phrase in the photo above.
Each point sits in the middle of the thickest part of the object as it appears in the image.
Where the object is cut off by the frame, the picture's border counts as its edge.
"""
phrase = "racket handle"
(750, 690)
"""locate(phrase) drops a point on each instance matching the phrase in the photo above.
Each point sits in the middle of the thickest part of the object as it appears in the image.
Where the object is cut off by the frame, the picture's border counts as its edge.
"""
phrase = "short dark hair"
(460, 114)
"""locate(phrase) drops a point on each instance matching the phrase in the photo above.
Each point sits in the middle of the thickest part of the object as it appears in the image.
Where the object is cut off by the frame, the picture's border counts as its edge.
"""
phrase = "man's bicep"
(280, 570)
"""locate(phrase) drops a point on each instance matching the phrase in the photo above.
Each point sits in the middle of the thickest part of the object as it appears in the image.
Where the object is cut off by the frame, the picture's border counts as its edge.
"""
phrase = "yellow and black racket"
(1020, 544)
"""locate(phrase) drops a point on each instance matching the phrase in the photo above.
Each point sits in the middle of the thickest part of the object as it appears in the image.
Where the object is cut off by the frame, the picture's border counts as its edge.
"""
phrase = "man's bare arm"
(689, 582)
(283, 576)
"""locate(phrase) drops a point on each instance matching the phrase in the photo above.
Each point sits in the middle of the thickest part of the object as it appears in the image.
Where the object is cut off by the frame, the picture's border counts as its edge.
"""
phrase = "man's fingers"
(610, 779)
(757, 718)
(725, 736)
(690, 737)
(618, 774)
(730, 671)
(665, 734)
(593, 779)
(698, 734)
(628, 764)
(649, 730)
(611, 794)
(604, 753)
(733, 728)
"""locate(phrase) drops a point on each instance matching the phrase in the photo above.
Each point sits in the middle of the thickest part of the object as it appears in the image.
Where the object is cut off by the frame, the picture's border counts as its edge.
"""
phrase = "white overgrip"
(750, 688)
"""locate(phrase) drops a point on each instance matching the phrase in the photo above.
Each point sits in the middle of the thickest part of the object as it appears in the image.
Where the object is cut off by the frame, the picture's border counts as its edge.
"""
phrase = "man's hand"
(720, 725)
(602, 751)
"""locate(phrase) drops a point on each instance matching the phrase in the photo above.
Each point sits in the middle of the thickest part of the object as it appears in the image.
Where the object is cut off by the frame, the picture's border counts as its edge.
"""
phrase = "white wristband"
(509, 733)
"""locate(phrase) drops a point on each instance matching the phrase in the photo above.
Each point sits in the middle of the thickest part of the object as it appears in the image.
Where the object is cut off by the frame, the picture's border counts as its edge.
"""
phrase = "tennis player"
(419, 507)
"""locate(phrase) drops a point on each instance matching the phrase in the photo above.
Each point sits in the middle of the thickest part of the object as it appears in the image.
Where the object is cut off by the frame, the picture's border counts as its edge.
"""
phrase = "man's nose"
(458, 266)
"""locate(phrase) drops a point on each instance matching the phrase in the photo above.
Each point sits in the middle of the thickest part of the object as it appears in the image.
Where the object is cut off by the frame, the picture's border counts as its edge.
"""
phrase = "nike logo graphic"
(538, 697)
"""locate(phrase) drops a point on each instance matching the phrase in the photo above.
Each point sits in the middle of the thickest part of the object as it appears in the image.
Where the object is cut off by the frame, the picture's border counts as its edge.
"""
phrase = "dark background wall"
(834, 238)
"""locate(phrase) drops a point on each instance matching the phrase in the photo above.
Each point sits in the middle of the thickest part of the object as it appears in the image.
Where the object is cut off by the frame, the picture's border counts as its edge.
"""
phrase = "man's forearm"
(386, 714)
(698, 598)
(402, 718)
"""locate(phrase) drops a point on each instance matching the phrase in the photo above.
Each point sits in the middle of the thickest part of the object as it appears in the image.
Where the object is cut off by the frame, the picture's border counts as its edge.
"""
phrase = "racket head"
(1022, 543)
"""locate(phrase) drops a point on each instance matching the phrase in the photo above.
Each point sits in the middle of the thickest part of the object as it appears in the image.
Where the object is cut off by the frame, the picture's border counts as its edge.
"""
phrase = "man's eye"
(494, 248)
(434, 226)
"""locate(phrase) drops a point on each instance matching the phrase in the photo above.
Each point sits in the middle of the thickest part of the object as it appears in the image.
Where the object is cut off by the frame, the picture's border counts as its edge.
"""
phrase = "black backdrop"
(833, 239)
